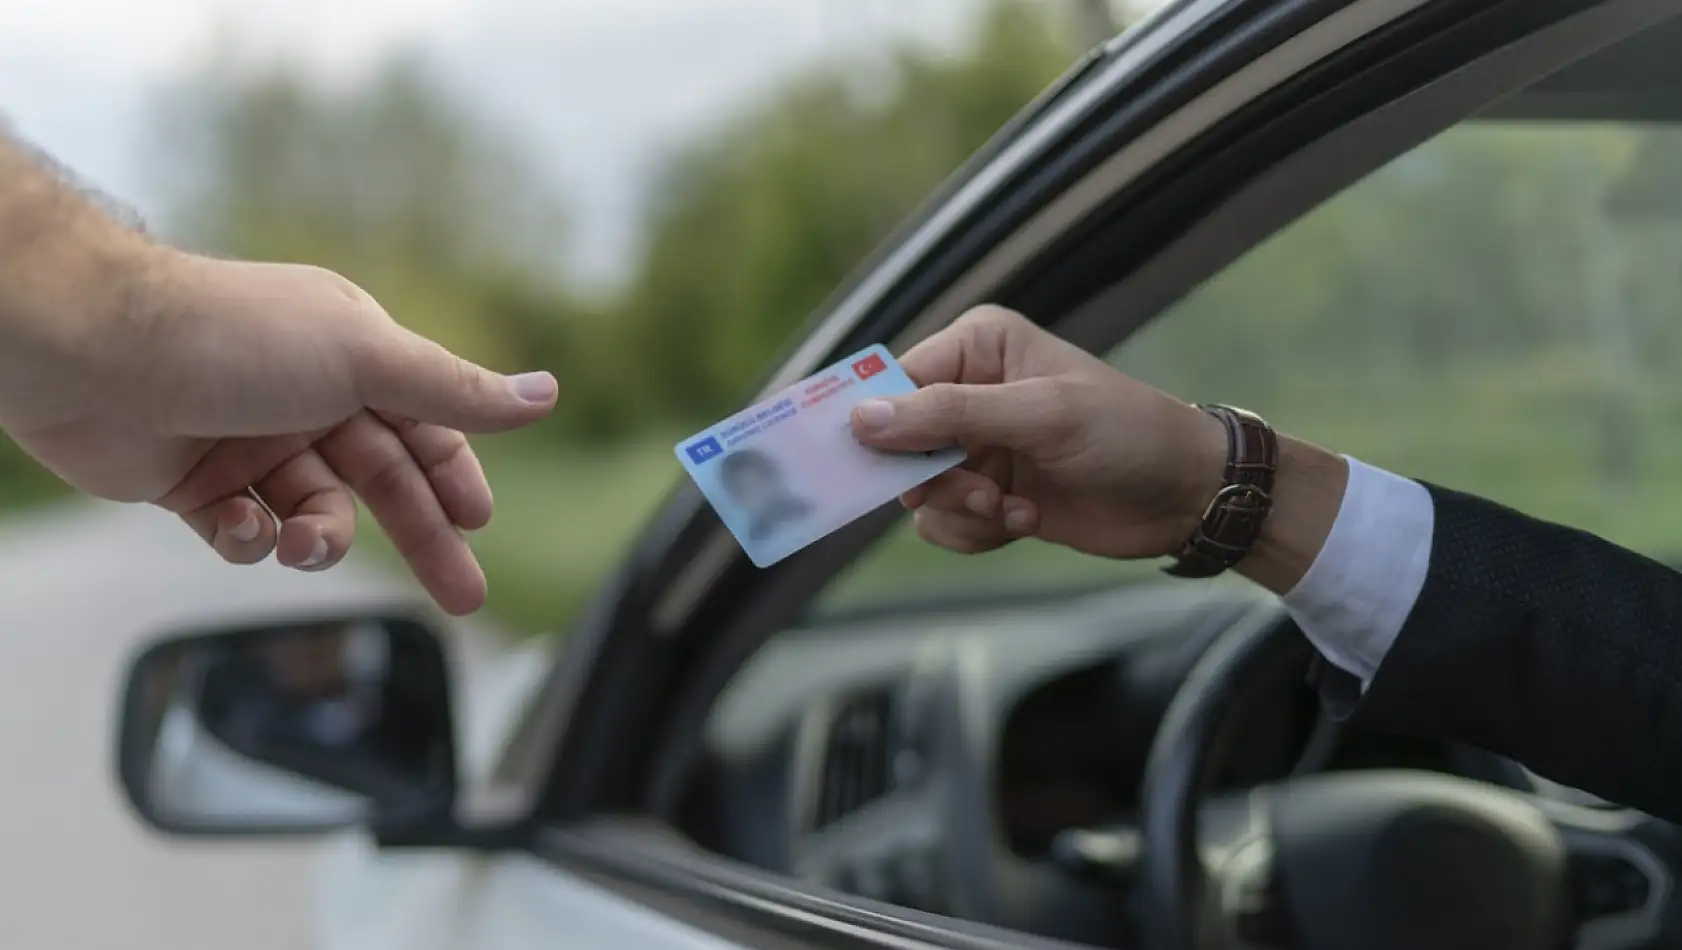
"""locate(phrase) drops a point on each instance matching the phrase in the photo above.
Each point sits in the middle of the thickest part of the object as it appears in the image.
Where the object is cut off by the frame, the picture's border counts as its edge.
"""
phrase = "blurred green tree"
(398, 186)
(1384, 276)
(755, 224)
(393, 183)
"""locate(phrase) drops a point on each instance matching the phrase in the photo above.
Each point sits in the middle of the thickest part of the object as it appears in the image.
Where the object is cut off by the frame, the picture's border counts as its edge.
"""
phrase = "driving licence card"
(787, 471)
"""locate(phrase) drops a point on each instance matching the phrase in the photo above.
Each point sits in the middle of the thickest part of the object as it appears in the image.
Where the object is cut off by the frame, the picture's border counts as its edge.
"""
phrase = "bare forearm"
(68, 268)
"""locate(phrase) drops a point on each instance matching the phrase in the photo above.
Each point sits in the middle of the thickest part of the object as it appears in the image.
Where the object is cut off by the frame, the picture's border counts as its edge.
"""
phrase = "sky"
(598, 90)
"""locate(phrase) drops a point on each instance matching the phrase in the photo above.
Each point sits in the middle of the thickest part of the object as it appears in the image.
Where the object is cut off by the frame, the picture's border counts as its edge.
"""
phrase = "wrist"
(1307, 495)
(1204, 474)
(70, 275)
(93, 300)
(82, 340)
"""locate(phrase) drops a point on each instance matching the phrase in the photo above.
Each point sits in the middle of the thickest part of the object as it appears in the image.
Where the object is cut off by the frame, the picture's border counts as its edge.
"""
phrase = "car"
(870, 744)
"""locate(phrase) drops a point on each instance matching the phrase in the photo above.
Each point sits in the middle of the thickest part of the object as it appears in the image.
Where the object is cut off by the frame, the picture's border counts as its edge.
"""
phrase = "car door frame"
(1158, 160)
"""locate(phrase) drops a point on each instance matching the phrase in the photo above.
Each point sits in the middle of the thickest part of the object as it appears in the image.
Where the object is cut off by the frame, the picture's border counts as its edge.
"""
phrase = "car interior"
(969, 736)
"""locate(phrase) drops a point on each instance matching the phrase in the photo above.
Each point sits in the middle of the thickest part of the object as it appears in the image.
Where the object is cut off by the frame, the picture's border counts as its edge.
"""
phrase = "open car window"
(1498, 310)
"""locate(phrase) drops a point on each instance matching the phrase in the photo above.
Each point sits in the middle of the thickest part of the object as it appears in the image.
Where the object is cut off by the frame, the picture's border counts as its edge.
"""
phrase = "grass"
(563, 517)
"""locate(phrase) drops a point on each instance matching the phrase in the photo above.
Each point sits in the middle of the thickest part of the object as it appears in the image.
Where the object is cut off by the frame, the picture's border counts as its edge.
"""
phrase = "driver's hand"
(1061, 445)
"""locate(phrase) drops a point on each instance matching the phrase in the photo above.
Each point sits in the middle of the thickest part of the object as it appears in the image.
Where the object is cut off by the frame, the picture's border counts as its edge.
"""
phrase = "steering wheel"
(1375, 859)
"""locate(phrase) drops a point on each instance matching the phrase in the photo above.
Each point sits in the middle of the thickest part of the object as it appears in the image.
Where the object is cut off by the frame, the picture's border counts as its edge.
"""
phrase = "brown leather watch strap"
(1233, 521)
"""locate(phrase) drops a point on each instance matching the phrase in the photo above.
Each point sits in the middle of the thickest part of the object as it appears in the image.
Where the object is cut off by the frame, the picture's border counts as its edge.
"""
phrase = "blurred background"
(648, 197)
(644, 196)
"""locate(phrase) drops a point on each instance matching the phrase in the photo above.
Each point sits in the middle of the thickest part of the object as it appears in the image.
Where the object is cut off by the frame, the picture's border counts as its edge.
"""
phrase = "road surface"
(81, 587)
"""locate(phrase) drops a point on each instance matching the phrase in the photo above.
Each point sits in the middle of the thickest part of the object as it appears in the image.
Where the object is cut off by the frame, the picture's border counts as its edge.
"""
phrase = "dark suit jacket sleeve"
(1545, 644)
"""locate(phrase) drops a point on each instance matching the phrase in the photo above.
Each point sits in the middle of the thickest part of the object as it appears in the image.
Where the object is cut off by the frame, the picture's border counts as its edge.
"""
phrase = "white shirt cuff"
(1356, 596)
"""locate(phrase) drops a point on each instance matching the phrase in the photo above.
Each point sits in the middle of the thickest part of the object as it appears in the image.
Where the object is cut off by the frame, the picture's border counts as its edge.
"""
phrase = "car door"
(1159, 160)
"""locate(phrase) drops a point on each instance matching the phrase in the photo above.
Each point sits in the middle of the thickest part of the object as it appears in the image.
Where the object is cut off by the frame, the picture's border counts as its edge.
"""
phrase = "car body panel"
(448, 900)
(419, 899)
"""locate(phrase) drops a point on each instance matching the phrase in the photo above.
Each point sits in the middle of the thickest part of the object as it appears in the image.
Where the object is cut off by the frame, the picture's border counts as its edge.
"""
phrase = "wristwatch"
(1233, 522)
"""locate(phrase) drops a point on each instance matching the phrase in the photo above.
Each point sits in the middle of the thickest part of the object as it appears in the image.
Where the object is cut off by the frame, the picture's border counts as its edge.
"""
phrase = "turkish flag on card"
(869, 366)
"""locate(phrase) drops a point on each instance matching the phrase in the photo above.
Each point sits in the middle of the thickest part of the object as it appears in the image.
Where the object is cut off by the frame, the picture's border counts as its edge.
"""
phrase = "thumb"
(408, 375)
(1004, 415)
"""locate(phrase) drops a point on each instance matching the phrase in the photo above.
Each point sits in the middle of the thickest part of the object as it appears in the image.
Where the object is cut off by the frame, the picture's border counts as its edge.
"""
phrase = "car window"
(1498, 311)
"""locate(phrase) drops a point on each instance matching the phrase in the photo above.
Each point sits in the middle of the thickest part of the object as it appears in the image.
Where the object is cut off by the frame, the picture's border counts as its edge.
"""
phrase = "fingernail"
(246, 531)
(1016, 521)
(536, 387)
(874, 413)
(977, 502)
(317, 558)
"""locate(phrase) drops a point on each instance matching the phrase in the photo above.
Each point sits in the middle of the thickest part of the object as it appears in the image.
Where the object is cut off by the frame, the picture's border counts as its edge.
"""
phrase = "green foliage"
(397, 186)
(391, 183)
(757, 224)
(391, 173)
(22, 482)
(565, 514)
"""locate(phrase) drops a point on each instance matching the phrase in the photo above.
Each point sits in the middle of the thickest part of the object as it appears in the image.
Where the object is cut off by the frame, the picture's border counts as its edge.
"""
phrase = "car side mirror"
(290, 726)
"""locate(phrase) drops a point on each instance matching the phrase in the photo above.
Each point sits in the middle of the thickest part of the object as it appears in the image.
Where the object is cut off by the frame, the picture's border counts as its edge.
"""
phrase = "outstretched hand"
(240, 389)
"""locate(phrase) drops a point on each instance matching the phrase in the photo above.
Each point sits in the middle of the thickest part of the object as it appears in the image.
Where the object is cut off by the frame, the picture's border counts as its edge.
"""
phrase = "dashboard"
(936, 758)
(1072, 751)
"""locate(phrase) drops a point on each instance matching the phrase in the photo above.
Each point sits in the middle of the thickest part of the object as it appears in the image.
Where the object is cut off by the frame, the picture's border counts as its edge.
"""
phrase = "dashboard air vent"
(858, 758)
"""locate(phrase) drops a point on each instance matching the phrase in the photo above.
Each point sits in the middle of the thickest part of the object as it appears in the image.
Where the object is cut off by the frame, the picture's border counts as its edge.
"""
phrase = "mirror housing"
(291, 726)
